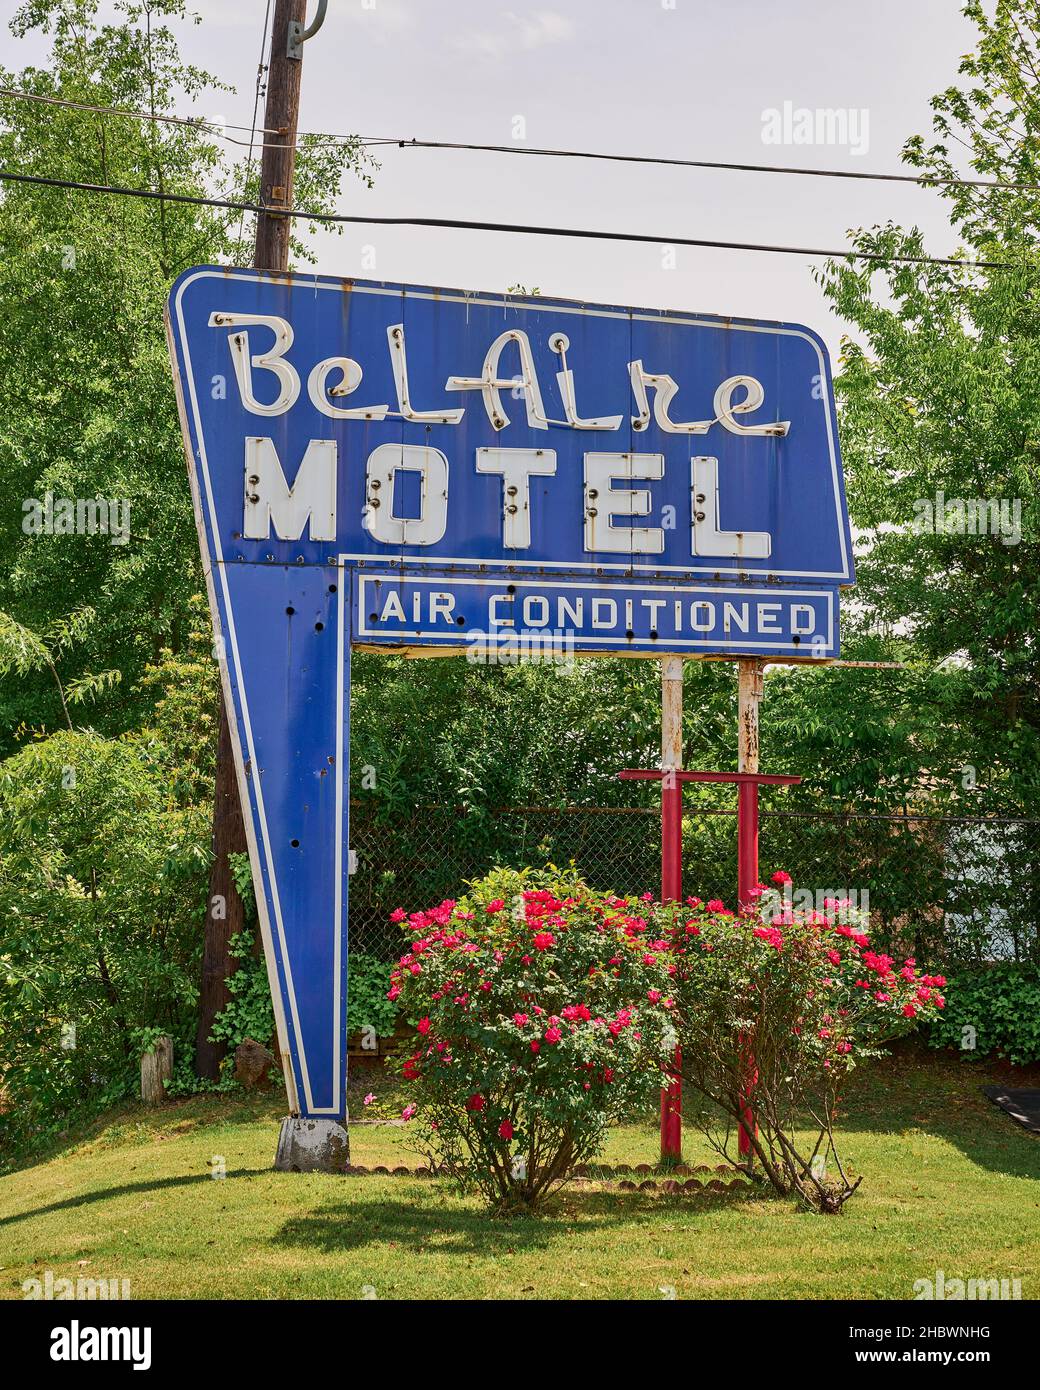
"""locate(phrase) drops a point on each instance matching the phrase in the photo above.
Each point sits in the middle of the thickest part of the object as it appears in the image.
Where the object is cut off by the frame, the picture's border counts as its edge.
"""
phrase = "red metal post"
(747, 842)
(671, 838)
(747, 879)
(671, 780)
(749, 694)
(671, 870)
(671, 891)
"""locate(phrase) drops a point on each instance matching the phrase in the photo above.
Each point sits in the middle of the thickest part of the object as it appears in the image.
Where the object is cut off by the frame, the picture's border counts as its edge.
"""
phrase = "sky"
(675, 78)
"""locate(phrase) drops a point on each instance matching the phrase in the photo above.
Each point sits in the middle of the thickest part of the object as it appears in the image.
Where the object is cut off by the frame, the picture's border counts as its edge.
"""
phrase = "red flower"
(553, 1034)
(716, 905)
(423, 1026)
(398, 914)
(535, 1047)
(476, 1102)
(410, 1070)
(505, 1130)
(781, 877)
(496, 906)
(544, 940)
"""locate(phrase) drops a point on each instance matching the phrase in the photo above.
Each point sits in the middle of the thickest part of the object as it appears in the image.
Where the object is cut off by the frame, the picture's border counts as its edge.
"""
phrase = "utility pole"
(281, 115)
(224, 914)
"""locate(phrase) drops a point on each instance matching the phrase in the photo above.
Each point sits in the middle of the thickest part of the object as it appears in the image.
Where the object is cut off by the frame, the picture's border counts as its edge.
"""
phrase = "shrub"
(542, 1012)
(249, 1012)
(102, 889)
(368, 982)
(778, 1008)
(993, 1009)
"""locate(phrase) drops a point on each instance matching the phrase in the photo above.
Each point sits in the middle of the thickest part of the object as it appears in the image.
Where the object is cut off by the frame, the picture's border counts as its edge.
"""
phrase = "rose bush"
(777, 1007)
(542, 1011)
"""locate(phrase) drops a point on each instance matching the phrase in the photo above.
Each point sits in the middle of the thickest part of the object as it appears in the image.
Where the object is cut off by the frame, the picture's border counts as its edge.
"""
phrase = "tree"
(940, 412)
(90, 414)
(90, 411)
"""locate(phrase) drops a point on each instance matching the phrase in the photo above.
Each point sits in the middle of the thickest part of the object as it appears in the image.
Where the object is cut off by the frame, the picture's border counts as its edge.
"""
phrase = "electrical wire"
(545, 152)
(192, 122)
(923, 180)
(521, 229)
(260, 69)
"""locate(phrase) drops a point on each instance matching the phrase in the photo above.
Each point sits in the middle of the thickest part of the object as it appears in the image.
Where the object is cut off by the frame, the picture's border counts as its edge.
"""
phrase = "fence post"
(156, 1070)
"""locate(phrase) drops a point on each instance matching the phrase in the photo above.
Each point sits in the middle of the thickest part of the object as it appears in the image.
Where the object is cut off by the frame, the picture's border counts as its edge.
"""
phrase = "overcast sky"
(676, 78)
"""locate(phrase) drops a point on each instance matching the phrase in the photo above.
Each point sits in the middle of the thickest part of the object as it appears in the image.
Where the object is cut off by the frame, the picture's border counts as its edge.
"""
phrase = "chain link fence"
(944, 888)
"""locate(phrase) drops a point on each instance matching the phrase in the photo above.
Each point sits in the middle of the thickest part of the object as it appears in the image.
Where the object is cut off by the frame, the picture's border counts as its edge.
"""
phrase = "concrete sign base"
(312, 1146)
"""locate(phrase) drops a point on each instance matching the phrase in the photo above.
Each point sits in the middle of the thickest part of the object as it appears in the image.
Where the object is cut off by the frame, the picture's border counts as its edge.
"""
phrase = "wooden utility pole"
(281, 115)
(224, 915)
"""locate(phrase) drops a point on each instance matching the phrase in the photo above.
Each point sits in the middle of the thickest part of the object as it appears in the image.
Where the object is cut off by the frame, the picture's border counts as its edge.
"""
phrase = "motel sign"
(409, 469)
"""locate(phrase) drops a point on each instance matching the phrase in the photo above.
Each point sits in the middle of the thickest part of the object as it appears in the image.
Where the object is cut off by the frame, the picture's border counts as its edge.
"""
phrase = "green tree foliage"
(104, 830)
(940, 393)
(101, 891)
(90, 410)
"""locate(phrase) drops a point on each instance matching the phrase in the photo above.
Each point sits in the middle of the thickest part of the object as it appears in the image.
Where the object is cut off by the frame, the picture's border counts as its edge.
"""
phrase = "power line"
(192, 122)
(923, 180)
(544, 152)
(260, 70)
(516, 228)
(198, 123)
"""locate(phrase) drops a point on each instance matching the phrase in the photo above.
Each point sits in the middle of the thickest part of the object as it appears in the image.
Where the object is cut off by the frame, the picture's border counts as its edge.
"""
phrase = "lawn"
(950, 1183)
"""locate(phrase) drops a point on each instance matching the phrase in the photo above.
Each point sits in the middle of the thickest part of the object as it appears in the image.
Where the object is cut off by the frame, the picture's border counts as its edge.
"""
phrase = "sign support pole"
(749, 697)
(311, 1144)
(671, 868)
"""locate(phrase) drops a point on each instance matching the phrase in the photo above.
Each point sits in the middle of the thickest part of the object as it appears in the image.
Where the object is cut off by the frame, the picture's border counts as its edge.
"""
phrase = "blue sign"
(400, 468)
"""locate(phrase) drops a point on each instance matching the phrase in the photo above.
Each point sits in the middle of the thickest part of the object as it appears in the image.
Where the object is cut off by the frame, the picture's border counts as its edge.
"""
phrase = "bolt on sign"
(410, 469)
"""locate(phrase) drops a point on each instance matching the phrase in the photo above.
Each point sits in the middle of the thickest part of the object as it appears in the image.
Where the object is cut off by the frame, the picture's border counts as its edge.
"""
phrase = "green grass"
(949, 1183)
